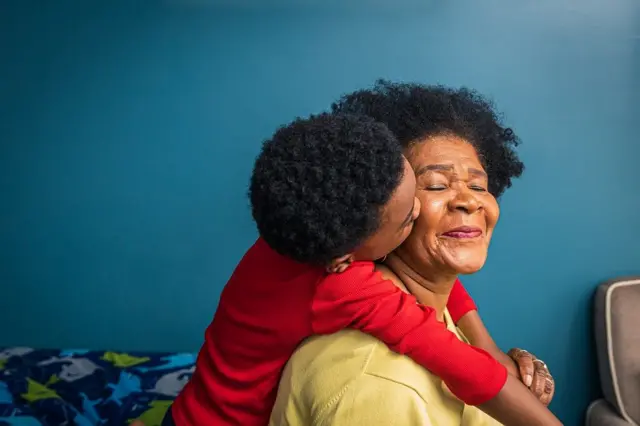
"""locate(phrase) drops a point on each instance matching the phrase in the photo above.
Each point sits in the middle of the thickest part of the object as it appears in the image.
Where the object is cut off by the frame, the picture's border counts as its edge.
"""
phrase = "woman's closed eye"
(442, 187)
(436, 187)
(478, 188)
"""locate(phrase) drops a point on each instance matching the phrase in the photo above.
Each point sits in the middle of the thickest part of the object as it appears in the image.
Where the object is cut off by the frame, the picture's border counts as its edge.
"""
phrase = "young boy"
(330, 195)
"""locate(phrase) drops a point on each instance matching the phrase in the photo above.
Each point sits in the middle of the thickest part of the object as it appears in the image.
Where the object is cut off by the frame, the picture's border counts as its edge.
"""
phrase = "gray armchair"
(617, 332)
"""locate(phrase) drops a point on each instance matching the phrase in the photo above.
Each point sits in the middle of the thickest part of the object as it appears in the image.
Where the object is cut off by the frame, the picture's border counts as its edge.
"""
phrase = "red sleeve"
(460, 302)
(360, 298)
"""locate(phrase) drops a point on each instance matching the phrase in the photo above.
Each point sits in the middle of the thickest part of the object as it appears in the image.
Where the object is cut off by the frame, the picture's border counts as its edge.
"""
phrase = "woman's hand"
(535, 374)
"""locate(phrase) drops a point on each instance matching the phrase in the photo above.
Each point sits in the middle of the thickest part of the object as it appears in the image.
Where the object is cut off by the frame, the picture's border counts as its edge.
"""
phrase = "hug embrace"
(348, 309)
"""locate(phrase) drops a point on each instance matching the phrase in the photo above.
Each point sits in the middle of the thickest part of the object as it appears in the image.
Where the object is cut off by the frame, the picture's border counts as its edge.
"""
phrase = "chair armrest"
(600, 413)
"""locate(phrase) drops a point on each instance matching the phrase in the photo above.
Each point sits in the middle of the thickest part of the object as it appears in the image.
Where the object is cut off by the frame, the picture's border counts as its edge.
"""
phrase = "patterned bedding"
(78, 387)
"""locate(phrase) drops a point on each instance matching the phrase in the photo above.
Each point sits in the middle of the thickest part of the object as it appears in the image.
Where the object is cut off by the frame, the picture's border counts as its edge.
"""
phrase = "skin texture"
(535, 374)
(452, 189)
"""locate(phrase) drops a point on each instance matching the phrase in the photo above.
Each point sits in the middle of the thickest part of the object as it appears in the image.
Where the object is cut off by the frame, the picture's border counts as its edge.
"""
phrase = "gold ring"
(542, 363)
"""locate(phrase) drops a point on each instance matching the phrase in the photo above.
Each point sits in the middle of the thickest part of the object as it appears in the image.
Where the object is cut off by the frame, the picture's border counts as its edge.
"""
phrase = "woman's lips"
(463, 232)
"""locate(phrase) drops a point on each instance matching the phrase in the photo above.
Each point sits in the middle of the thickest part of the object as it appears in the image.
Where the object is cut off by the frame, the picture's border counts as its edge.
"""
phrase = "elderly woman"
(463, 159)
(414, 113)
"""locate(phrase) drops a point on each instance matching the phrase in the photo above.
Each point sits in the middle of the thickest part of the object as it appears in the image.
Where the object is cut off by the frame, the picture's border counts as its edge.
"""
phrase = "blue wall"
(127, 135)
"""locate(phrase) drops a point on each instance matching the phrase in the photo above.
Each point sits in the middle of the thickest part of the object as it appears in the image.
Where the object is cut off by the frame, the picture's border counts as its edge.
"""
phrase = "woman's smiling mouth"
(463, 232)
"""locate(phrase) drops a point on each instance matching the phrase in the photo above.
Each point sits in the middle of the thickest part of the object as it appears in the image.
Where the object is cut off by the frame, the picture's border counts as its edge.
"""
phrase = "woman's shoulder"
(388, 274)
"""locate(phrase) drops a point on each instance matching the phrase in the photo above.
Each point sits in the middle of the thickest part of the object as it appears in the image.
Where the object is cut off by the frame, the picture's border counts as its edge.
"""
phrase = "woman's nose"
(465, 201)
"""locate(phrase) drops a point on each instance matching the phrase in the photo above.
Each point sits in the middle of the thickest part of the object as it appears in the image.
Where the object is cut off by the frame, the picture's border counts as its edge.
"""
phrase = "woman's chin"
(468, 269)
(466, 262)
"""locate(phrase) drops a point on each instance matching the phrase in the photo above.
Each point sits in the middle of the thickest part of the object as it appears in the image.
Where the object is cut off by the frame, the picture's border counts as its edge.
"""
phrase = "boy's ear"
(340, 264)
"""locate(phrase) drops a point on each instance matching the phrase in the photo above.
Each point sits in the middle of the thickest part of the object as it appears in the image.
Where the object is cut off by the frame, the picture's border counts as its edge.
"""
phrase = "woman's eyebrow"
(477, 172)
(448, 168)
(430, 167)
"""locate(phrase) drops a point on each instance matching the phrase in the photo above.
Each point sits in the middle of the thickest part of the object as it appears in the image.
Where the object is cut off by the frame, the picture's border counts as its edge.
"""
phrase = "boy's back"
(254, 332)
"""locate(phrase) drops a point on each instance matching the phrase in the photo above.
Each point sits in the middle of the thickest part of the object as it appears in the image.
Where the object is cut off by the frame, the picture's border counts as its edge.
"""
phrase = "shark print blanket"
(78, 387)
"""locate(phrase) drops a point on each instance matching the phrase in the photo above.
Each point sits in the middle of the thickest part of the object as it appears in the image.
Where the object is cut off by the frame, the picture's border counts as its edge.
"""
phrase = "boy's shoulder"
(262, 259)
(358, 273)
(264, 272)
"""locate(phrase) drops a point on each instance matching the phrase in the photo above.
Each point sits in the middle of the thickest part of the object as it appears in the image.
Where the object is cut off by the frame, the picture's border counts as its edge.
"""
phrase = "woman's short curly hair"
(320, 184)
(414, 112)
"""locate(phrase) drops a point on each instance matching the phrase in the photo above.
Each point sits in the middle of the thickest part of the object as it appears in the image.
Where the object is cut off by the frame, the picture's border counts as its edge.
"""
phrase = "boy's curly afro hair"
(414, 112)
(320, 184)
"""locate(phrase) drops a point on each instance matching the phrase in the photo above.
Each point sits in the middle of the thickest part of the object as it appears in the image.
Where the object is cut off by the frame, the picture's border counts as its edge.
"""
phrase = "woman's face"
(457, 214)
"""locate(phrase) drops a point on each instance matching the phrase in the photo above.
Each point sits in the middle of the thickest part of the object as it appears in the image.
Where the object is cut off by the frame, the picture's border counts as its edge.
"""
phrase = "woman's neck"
(432, 291)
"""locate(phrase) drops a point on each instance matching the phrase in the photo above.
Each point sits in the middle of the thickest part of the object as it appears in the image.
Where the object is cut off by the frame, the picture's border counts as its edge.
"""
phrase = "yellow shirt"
(352, 379)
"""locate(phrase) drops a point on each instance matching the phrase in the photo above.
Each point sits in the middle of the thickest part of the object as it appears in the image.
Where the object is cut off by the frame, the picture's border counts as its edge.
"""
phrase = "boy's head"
(332, 189)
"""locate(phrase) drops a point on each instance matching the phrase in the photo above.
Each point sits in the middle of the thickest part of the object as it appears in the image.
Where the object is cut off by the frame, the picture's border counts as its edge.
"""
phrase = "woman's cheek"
(419, 231)
(431, 210)
(407, 233)
(493, 212)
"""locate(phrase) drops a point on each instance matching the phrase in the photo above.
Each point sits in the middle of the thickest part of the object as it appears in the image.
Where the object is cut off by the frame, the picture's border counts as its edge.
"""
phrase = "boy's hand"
(535, 374)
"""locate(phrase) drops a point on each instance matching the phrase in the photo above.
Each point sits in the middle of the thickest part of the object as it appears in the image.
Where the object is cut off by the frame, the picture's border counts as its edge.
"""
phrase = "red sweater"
(271, 304)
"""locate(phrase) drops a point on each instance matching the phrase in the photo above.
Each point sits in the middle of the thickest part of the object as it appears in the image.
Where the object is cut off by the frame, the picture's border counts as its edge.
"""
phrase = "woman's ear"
(340, 264)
